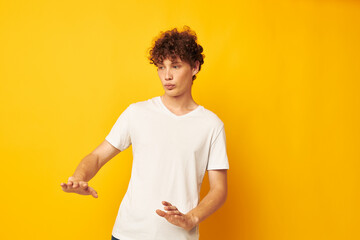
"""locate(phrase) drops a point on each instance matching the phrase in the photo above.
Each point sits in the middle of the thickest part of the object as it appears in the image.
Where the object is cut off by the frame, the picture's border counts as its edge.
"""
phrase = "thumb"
(95, 195)
(160, 213)
(93, 192)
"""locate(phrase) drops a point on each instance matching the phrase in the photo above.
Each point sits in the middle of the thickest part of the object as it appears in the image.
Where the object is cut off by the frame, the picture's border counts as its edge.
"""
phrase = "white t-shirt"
(170, 157)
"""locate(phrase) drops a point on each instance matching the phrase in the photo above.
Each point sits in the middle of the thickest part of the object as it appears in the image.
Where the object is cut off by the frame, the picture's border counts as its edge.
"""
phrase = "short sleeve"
(119, 135)
(218, 156)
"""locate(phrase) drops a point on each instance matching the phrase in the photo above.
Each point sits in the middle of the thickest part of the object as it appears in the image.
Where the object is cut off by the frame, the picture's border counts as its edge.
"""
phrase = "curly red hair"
(173, 43)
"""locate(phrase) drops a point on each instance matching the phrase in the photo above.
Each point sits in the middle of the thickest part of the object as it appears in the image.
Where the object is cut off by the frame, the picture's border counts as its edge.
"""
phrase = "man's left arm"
(213, 200)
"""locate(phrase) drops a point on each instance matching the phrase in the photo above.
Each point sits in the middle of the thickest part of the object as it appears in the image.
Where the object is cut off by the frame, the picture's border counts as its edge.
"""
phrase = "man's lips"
(169, 86)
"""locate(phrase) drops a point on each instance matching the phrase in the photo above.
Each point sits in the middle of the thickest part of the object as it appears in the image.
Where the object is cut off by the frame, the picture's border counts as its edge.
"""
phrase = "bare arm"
(211, 202)
(91, 164)
(87, 169)
(215, 198)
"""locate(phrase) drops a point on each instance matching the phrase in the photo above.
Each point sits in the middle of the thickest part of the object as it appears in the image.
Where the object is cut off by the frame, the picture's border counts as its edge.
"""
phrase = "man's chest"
(167, 134)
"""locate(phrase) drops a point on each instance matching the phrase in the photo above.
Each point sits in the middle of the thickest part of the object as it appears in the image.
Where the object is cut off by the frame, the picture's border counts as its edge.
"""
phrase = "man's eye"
(176, 66)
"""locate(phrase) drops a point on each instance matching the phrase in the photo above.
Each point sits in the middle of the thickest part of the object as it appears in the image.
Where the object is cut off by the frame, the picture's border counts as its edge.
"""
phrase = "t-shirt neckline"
(173, 114)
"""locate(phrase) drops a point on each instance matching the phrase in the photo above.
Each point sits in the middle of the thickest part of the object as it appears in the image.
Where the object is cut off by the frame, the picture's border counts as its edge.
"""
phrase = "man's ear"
(196, 68)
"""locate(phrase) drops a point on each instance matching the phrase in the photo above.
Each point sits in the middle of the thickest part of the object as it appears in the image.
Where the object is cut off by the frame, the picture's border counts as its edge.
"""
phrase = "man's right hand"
(77, 186)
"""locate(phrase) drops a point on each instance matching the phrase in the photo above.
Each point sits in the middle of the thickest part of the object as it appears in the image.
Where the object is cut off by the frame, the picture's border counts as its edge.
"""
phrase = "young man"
(174, 141)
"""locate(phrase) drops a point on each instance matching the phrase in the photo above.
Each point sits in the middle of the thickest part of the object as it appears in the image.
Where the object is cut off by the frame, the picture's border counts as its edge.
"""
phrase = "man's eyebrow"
(171, 63)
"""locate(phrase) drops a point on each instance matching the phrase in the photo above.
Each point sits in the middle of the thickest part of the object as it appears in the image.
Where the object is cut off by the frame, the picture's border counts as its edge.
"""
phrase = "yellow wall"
(282, 75)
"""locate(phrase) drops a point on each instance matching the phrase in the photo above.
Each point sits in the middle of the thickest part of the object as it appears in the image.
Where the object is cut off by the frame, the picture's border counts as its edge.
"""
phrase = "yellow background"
(282, 75)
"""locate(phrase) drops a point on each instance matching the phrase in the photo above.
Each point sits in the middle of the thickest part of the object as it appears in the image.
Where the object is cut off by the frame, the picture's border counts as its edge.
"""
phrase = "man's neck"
(179, 103)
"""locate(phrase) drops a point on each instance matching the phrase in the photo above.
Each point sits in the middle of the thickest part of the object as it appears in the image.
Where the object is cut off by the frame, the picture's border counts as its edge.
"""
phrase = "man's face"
(176, 76)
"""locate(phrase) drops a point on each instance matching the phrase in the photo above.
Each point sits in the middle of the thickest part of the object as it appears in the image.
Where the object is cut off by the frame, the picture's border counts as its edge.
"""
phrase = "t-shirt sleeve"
(218, 156)
(119, 135)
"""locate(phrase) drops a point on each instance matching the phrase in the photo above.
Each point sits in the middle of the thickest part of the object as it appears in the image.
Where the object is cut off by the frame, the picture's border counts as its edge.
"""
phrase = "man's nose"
(168, 75)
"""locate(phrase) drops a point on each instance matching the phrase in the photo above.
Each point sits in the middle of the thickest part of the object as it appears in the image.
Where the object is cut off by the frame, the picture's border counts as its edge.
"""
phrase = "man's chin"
(172, 93)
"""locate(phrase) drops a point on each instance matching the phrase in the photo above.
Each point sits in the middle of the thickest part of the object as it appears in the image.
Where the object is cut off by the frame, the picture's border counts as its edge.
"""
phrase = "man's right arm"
(92, 163)
(88, 167)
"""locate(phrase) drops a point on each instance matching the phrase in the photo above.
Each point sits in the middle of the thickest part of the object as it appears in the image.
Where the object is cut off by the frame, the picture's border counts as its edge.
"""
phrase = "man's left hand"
(177, 218)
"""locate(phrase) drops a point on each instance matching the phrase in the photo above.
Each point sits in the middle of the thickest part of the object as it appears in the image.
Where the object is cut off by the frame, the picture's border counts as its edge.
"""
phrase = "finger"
(174, 213)
(70, 183)
(160, 213)
(84, 185)
(75, 184)
(86, 188)
(170, 208)
(166, 203)
(64, 186)
(92, 192)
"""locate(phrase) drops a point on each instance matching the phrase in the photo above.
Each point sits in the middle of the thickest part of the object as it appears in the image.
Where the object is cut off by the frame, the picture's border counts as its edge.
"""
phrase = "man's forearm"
(87, 168)
(210, 203)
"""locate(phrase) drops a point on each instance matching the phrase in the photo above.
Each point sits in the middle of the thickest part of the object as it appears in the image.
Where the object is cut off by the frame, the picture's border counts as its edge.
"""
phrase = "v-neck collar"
(173, 114)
